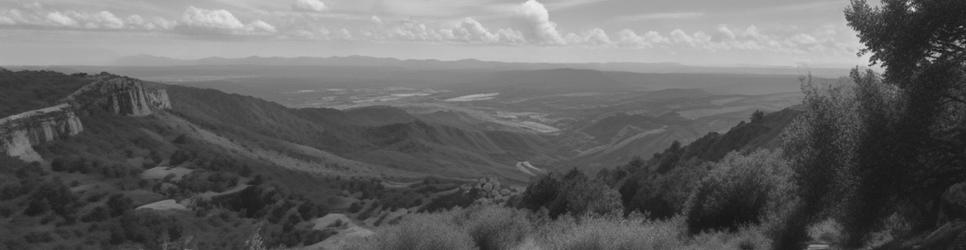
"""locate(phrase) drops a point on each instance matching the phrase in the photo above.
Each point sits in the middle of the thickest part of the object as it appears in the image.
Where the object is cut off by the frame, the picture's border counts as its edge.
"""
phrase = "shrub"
(740, 190)
(118, 204)
(423, 232)
(492, 227)
(97, 214)
(609, 233)
(38, 237)
(574, 193)
(495, 228)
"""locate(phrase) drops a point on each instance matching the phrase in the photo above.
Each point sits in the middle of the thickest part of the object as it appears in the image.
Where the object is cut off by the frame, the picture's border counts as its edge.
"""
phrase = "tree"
(891, 144)
(757, 116)
(58, 165)
(54, 196)
(99, 213)
(921, 44)
(118, 204)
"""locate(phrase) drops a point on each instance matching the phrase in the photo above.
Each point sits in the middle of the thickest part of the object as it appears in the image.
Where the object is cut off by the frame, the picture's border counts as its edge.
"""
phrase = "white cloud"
(109, 20)
(210, 19)
(752, 32)
(413, 31)
(820, 42)
(220, 22)
(344, 34)
(466, 30)
(678, 36)
(38, 16)
(5, 20)
(60, 19)
(593, 37)
(650, 39)
(804, 39)
(262, 26)
(538, 24)
(97, 20)
(309, 5)
(725, 31)
(156, 23)
(471, 30)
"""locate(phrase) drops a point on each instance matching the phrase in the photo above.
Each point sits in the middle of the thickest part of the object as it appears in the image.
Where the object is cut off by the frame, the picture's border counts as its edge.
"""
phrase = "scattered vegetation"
(497, 227)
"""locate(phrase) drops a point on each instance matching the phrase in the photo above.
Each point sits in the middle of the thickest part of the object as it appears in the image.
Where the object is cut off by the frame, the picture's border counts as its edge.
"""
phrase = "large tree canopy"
(891, 145)
(908, 36)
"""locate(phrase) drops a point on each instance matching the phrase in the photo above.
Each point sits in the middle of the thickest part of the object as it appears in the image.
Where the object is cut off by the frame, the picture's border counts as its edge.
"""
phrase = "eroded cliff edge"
(119, 95)
(108, 93)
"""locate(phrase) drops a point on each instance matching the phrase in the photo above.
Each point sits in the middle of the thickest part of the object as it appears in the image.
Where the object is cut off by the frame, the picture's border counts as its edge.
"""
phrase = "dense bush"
(496, 228)
(421, 232)
(99, 213)
(739, 191)
(146, 227)
(574, 193)
(52, 196)
(662, 196)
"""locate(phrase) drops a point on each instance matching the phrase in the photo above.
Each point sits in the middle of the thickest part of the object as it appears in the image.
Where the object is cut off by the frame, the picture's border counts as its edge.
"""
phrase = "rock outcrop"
(20, 132)
(119, 95)
(109, 93)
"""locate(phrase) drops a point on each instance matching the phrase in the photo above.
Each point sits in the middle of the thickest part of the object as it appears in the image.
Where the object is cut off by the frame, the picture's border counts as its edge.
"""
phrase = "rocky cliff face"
(120, 95)
(18, 133)
(109, 93)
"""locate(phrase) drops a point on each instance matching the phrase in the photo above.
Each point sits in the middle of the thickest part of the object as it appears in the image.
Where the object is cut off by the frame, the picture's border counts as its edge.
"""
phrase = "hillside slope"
(119, 167)
(661, 184)
(378, 135)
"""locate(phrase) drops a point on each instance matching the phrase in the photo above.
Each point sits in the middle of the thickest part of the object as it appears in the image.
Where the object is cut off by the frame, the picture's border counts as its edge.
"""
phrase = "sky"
(694, 32)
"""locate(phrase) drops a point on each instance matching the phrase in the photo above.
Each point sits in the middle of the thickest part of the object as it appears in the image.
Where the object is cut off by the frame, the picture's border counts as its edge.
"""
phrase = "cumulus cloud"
(414, 31)
(309, 5)
(156, 23)
(220, 22)
(473, 31)
(726, 32)
(5, 20)
(753, 39)
(262, 26)
(650, 39)
(38, 16)
(60, 19)
(538, 24)
(593, 37)
(466, 30)
(210, 19)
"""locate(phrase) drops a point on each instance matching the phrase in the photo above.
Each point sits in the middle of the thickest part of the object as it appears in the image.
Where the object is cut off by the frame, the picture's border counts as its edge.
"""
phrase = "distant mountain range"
(473, 64)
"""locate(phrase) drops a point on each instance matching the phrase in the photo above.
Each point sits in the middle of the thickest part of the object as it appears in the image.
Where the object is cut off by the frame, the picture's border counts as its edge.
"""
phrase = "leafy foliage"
(891, 145)
(739, 191)
(574, 193)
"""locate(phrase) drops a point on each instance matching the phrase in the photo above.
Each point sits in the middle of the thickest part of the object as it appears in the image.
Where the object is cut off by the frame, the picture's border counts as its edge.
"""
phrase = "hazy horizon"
(119, 61)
